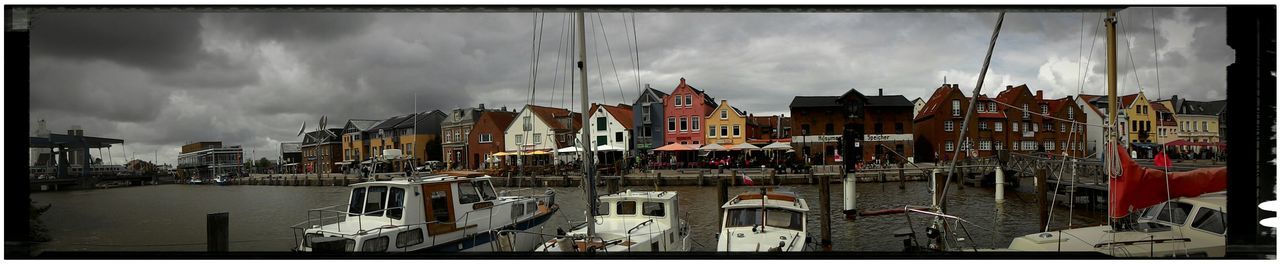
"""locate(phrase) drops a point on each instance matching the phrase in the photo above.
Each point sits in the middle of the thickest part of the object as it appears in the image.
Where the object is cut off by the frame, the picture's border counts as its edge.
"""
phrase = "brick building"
(684, 111)
(999, 124)
(487, 138)
(818, 122)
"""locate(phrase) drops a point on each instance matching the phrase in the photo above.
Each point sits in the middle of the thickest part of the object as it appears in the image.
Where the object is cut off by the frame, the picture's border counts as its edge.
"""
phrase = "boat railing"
(955, 221)
(633, 229)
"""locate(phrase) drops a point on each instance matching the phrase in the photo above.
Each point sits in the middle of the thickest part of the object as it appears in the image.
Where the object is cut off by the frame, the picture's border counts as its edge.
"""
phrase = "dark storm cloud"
(278, 71)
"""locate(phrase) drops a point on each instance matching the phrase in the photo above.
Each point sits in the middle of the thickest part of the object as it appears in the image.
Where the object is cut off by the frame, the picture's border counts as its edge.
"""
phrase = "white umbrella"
(778, 146)
(568, 149)
(712, 147)
(744, 146)
(607, 148)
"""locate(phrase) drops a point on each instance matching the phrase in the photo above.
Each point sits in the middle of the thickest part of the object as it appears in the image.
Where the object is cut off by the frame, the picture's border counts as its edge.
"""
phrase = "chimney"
(504, 108)
(722, 101)
(481, 106)
(1008, 87)
(1039, 94)
(682, 81)
(881, 92)
(955, 85)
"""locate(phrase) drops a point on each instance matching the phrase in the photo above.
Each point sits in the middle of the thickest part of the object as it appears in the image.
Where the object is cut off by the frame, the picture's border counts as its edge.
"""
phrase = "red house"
(683, 112)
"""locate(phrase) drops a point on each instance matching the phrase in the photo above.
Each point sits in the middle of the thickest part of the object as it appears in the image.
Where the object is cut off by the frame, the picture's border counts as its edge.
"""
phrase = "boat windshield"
(1175, 214)
(781, 218)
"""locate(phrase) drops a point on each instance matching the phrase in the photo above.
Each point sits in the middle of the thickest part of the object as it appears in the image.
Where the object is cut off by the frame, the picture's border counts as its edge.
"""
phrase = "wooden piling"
(612, 184)
(733, 174)
(824, 190)
(700, 176)
(216, 232)
(1041, 187)
(722, 195)
(902, 176)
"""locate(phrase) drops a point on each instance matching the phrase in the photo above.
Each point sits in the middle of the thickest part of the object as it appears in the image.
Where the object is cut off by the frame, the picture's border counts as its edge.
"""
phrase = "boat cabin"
(631, 221)
(769, 220)
(418, 213)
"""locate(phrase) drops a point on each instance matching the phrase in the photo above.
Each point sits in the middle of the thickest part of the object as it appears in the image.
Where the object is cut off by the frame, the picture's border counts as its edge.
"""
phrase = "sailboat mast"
(1112, 105)
(588, 164)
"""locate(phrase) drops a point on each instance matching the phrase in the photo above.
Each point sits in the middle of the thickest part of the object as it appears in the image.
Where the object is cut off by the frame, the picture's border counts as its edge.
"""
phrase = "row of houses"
(882, 127)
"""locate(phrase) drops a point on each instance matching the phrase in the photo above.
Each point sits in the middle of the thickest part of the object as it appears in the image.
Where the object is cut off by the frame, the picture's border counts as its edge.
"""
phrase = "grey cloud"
(296, 26)
(153, 41)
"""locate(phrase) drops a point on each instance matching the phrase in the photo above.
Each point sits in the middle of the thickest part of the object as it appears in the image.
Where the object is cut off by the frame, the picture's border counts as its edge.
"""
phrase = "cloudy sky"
(158, 80)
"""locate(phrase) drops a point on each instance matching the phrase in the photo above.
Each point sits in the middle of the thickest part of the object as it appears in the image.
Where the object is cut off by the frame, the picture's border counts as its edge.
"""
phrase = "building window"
(602, 140)
(1204, 126)
(537, 138)
(1062, 127)
(999, 126)
(724, 114)
(1026, 111)
(879, 128)
(679, 101)
(671, 124)
(950, 146)
(955, 107)
(644, 113)
(528, 123)
(520, 139)
(688, 100)
(982, 126)
(1014, 144)
(897, 128)
(486, 138)
(948, 126)
(601, 124)
(984, 145)
(724, 131)
(831, 129)
(981, 108)
(684, 124)
(991, 106)
(696, 123)
(735, 131)
(1071, 115)
(1044, 109)
(804, 129)
(1015, 126)
(999, 145)
(711, 130)
(1048, 145)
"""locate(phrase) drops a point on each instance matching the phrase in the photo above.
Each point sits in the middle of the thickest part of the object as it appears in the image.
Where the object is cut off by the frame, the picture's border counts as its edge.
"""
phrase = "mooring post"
(700, 175)
(733, 174)
(722, 195)
(612, 185)
(902, 175)
(216, 231)
(1041, 186)
(824, 190)
(938, 180)
(999, 184)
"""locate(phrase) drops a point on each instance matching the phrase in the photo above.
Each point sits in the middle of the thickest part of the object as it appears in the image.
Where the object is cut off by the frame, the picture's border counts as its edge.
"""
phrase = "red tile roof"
(549, 115)
(931, 106)
(1057, 104)
(1127, 99)
(1012, 93)
(500, 119)
(620, 112)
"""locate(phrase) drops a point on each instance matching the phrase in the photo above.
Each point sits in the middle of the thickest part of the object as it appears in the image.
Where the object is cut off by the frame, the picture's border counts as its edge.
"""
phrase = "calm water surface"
(172, 217)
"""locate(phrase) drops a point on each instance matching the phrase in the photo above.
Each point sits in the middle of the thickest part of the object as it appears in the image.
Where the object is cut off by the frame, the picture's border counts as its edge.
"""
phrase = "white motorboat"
(630, 221)
(780, 228)
(1182, 227)
(434, 213)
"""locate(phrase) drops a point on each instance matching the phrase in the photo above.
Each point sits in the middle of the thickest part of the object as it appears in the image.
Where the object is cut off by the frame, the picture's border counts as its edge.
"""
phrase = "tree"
(264, 163)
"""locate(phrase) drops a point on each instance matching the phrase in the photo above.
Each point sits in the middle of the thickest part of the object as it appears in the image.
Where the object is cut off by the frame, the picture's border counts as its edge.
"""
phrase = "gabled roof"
(549, 116)
(1009, 94)
(1160, 108)
(621, 113)
(815, 101)
(332, 133)
(1057, 104)
(389, 123)
(655, 93)
(500, 119)
(1203, 108)
(1127, 100)
(935, 100)
(361, 124)
(853, 92)
(889, 101)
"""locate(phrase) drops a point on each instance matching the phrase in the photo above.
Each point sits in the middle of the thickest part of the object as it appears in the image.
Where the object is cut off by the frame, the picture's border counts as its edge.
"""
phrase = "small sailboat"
(434, 213)
(766, 221)
(630, 222)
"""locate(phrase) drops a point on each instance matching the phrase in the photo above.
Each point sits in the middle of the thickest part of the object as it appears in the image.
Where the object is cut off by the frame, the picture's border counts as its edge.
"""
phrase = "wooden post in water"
(722, 195)
(700, 176)
(733, 174)
(612, 184)
(216, 232)
(824, 191)
(939, 180)
(902, 175)
(1041, 186)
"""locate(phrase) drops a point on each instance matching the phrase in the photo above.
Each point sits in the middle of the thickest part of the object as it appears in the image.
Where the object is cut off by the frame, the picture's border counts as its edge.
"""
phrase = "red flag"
(1162, 160)
(746, 180)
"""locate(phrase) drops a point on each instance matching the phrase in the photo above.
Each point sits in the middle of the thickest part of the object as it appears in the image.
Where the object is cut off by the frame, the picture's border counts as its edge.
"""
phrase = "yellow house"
(727, 125)
(1142, 119)
(417, 136)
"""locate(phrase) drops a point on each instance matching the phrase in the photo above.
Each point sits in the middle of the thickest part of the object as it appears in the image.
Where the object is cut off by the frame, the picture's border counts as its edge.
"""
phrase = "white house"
(540, 128)
(1094, 108)
(611, 125)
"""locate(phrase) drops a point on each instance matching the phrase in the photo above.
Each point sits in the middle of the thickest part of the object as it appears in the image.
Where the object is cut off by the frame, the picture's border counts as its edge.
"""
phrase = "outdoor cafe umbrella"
(675, 147)
(607, 148)
(744, 146)
(713, 147)
(569, 149)
(778, 146)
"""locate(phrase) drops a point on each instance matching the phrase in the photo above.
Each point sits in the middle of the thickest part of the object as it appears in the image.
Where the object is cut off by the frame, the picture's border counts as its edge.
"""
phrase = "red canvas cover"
(1139, 187)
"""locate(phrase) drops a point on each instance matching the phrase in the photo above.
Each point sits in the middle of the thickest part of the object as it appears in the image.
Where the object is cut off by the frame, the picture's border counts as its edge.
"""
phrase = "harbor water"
(172, 217)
